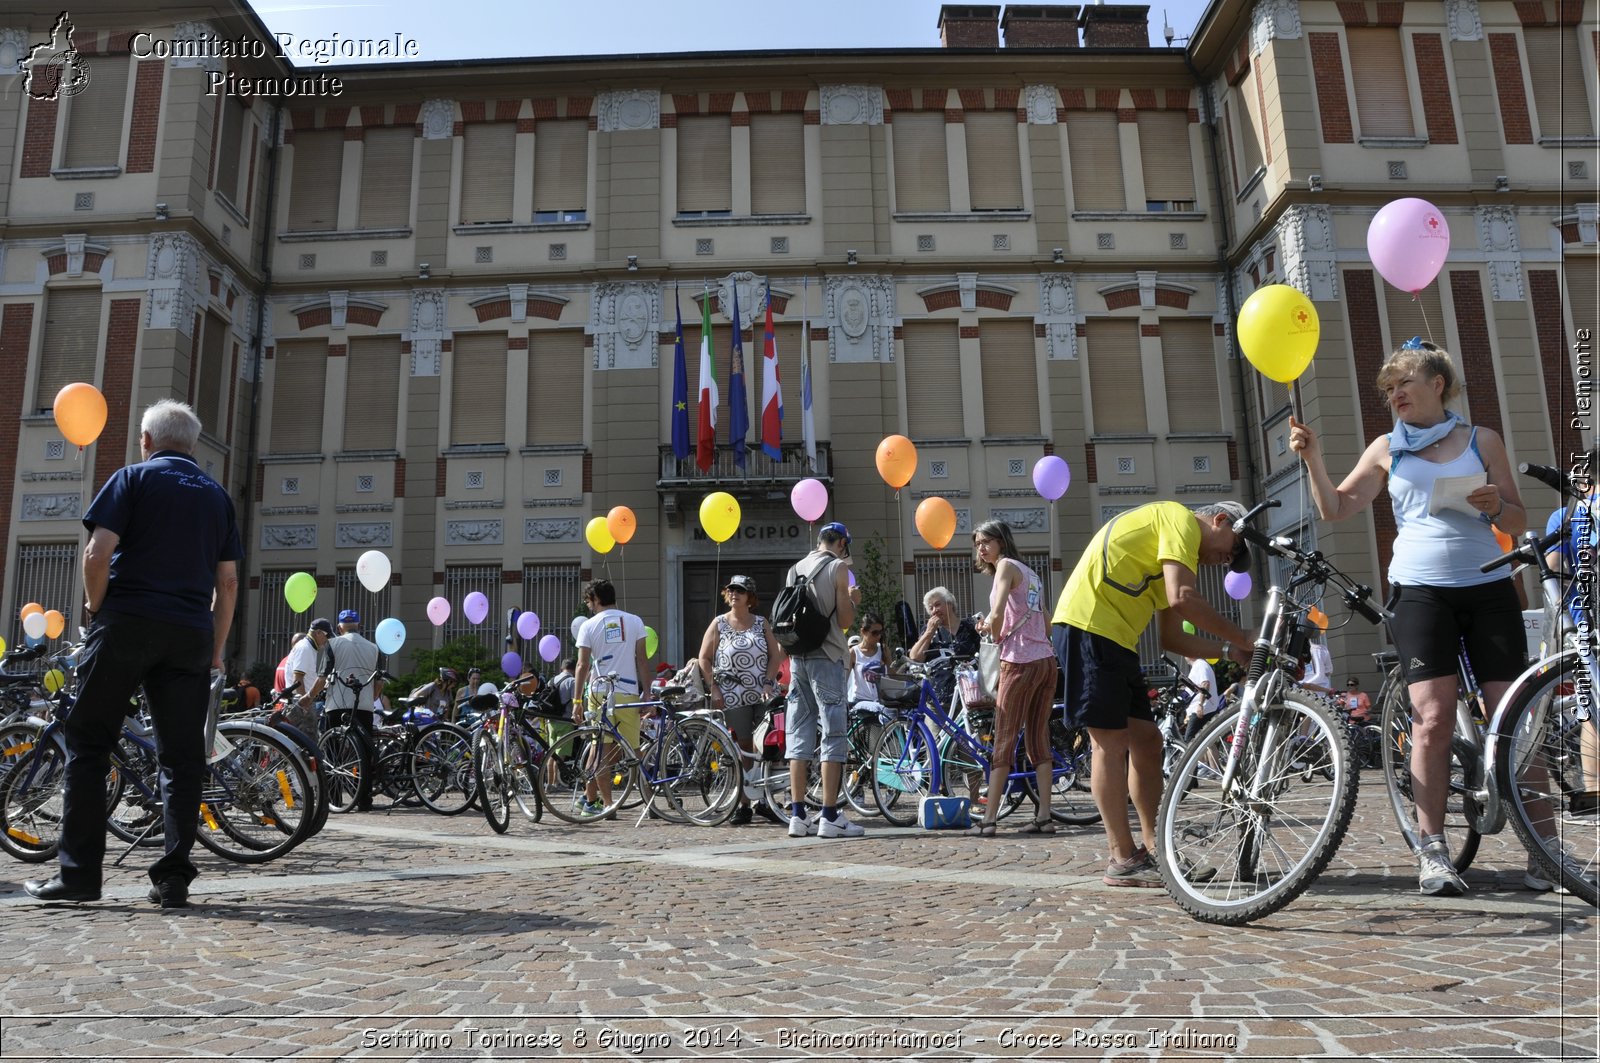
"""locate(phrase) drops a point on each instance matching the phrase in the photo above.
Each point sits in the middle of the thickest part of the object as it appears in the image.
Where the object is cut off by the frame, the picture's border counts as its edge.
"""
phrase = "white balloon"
(34, 624)
(488, 688)
(577, 624)
(373, 570)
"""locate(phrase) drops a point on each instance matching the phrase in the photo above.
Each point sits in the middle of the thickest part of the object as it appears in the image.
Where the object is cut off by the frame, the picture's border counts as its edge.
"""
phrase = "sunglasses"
(873, 631)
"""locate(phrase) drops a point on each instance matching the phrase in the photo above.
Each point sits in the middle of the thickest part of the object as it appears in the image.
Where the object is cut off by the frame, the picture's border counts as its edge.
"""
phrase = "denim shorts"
(817, 716)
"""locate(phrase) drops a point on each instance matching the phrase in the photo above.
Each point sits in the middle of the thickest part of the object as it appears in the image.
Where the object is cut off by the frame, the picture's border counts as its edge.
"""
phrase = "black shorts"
(1431, 623)
(1101, 681)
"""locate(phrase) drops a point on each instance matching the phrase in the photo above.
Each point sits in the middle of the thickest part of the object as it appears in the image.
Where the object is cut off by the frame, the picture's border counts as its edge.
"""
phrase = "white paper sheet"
(1450, 492)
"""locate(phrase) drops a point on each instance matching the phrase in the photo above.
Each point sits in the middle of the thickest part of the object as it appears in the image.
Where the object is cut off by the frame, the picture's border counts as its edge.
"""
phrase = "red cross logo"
(1433, 222)
(1300, 316)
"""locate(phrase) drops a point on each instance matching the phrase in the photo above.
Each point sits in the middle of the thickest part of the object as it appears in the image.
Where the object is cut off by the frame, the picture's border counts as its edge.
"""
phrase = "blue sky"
(487, 28)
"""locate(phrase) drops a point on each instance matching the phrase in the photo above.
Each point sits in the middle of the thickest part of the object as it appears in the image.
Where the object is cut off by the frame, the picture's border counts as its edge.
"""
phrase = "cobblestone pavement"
(403, 935)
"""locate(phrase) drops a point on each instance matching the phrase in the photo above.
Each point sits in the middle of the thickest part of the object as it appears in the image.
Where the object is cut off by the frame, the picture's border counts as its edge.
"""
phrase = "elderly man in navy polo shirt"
(160, 576)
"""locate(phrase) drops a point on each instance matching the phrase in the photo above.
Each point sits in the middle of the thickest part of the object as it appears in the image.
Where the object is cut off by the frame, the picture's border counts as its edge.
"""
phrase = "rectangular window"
(478, 388)
(488, 151)
(1246, 111)
(1560, 95)
(1189, 363)
(231, 146)
(777, 164)
(1116, 377)
(1164, 158)
(705, 164)
(1383, 98)
(299, 375)
(47, 573)
(94, 116)
(921, 162)
(211, 390)
(314, 187)
(349, 593)
(1408, 316)
(1010, 392)
(1583, 293)
(1096, 149)
(1274, 396)
(933, 380)
(561, 170)
(462, 580)
(372, 393)
(994, 160)
(386, 178)
(277, 626)
(71, 345)
(554, 591)
(555, 386)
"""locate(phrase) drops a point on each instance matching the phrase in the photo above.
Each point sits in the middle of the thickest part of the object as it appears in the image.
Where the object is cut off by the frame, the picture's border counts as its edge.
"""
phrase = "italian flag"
(707, 406)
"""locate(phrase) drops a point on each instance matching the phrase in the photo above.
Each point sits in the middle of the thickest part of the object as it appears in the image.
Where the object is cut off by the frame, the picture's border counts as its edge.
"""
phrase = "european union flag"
(680, 389)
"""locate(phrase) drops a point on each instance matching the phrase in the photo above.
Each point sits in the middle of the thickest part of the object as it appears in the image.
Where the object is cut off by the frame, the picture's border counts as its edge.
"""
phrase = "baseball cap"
(349, 616)
(743, 583)
(835, 531)
(322, 624)
(1241, 549)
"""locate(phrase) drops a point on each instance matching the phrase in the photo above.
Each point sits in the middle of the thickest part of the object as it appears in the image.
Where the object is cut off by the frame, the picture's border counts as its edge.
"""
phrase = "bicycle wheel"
(391, 772)
(494, 783)
(855, 787)
(1394, 754)
(1070, 800)
(698, 770)
(31, 802)
(1234, 856)
(905, 770)
(258, 799)
(347, 755)
(1541, 775)
(133, 795)
(441, 769)
(528, 755)
(577, 761)
(312, 754)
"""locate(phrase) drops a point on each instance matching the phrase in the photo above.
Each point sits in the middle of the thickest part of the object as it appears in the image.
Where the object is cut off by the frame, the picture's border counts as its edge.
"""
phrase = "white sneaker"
(838, 827)
(1437, 878)
(1535, 880)
(802, 826)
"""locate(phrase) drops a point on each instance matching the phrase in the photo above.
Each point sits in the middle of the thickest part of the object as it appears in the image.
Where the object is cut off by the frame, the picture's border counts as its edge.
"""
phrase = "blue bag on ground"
(944, 813)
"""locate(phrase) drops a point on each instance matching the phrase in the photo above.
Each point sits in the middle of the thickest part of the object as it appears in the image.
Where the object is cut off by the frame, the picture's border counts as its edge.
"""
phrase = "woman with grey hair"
(944, 633)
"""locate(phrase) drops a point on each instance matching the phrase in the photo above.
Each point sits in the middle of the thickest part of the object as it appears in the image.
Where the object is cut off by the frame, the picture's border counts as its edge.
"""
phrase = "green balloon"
(300, 590)
(1188, 628)
(652, 642)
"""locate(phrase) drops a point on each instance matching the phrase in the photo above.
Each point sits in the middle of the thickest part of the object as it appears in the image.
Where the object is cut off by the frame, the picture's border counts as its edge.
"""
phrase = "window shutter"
(921, 161)
(1244, 109)
(314, 190)
(488, 150)
(1164, 157)
(994, 162)
(211, 393)
(1116, 377)
(1559, 95)
(71, 342)
(1096, 149)
(94, 116)
(1274, 396)
(386, 178)
(555, 386)
(1409, 317)
(1583, 293)
(299, 373)
(1383, 102)
(705, 163)
(1010, 396)
(933, 378)
(561, 166)
(777, 164)
(372, 391)
(478, 387)
(1189, 362)
(790, 346)
(229, 147)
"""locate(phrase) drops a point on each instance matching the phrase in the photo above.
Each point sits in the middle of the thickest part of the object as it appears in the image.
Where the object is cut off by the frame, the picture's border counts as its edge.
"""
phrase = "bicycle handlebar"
(1553, 478)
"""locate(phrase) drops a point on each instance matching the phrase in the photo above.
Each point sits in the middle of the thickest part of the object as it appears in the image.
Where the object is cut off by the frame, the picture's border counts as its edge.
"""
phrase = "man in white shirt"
(354, 657)
(303, 675)
(1203, 704)
(611, 642)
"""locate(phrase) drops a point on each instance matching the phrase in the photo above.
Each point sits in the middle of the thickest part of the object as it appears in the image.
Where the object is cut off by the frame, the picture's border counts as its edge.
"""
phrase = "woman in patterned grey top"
(740, 658)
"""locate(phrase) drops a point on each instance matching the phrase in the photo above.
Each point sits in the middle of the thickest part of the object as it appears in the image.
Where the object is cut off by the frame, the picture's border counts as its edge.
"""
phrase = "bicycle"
(507, 759)
(1240, 846)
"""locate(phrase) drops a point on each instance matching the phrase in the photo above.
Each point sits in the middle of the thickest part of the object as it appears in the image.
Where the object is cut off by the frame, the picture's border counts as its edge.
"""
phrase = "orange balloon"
(80, 412)
(29, 609)
(897, 461)
(54, 624)
(621, 523)
(1506, 543)
(936, 522)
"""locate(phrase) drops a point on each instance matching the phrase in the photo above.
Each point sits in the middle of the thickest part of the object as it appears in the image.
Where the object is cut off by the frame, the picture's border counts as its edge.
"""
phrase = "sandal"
(981, 830)
(1039, 826)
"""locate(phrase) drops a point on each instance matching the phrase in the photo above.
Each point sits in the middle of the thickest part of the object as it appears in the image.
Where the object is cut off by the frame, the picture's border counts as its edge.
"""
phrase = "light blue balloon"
(390, 635)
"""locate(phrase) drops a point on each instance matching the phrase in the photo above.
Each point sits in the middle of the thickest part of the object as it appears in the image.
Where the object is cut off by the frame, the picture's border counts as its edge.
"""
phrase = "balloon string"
(1416, 297)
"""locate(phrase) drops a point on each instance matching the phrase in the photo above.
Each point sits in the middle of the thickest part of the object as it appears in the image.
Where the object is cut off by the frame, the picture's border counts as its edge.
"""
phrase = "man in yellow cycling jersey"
(1142, 563)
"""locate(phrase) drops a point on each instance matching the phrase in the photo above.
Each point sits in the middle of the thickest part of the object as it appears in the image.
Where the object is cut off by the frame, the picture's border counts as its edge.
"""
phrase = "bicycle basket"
(898, 692)
(546, 704)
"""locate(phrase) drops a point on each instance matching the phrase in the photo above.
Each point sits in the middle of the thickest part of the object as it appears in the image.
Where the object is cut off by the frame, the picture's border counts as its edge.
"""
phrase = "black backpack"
(798, 622)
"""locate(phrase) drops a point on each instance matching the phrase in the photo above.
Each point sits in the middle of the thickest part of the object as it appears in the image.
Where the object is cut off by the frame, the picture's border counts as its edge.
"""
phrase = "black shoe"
(764, 810)
(56, 890)
(169, 893)
(741, 816)
(1583, 804)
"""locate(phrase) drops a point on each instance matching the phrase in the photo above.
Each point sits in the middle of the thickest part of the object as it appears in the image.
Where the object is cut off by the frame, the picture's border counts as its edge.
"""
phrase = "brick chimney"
(1115, 26)
(1040, 25)
(969, 26)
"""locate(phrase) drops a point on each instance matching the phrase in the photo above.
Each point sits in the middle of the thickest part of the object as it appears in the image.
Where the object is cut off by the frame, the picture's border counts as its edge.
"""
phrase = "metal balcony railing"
(759, 469)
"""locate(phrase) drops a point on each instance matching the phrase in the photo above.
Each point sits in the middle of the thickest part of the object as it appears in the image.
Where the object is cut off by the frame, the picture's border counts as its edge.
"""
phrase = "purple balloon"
(1051, 477)
(809, 499)
(528, 625)
(1238, 585)
(475, 607)
(511, 664)
(549, 647)
(1408, 242)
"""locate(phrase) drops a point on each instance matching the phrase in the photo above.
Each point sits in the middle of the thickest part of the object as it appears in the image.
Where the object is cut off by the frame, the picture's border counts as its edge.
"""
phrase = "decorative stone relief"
(1502, 248)
(967, 284)
(244, 316)
(1039, 101)
(1305, 235)
(438, 118)
(288, 537)
(851, 105)
(518, 294)
(1023, 520)
(194, 52)
(550, 530)
(338, 308)
(14, 48)
(963, 521)
(625, 319)
(1058, 313)
(1462, 17)
(74, 244)
(375, 533)
(1505, 281)
(52, 507)
(628, 109)
(860, 313)
(427, 330)
(470, 532)
(752, 298)
(1273, 20)
(1588, 222)
(1147, 288)
(172, 272)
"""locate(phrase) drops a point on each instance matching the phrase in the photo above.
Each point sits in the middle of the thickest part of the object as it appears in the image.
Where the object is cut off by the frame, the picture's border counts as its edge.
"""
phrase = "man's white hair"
(171, 425)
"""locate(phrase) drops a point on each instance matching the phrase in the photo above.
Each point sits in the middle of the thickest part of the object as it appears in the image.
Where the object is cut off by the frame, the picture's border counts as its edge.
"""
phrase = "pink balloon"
(475, 607)
(1051, 477)
(1237, 584)
(438, 611)
(852, 576)
(1408, 242)
(549, 647)
(809, 499)
(528, 625)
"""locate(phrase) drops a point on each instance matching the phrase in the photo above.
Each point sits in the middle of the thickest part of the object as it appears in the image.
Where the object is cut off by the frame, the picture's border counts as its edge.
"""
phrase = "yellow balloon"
(2, 647)
(1278, 331)
(600, 540)
(54, 680)
(719, 516)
